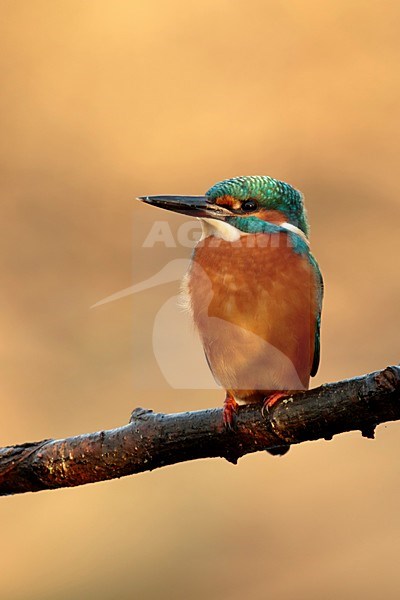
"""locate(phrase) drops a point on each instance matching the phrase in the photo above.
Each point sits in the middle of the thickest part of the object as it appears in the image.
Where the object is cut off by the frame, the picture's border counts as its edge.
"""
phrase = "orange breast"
(254, 303)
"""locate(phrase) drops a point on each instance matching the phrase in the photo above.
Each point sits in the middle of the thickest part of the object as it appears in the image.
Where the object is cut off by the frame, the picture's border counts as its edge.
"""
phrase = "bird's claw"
(229, 413)
(269, 402)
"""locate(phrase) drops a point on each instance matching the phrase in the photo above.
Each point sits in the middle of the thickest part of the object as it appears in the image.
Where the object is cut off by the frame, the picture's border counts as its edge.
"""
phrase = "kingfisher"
(253, 288)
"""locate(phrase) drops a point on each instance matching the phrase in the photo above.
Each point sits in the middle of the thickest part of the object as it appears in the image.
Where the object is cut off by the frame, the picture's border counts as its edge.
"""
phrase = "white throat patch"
(220, 229)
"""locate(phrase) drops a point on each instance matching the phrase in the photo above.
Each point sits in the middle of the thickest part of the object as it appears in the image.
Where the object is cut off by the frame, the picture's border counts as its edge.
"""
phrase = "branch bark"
(153, 440)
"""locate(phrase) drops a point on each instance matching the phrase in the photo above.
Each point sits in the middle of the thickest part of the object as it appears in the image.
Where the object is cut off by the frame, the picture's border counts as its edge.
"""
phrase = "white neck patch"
(296, 230)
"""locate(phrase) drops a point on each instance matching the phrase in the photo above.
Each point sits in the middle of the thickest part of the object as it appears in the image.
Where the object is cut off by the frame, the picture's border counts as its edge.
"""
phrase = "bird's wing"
(211, 369)
(320, 292)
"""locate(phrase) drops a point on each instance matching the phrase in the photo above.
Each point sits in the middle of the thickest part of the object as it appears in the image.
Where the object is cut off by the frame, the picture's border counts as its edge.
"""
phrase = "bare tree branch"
(153, 440)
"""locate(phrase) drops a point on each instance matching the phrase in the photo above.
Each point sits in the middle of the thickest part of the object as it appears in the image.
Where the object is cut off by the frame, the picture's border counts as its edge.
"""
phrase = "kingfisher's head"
(241, 202)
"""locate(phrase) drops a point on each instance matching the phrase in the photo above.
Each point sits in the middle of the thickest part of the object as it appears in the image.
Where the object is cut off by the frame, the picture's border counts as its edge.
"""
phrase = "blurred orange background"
(101, 102)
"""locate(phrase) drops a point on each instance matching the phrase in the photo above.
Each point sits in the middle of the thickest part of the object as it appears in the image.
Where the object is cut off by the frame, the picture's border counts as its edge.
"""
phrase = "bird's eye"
(249, 205)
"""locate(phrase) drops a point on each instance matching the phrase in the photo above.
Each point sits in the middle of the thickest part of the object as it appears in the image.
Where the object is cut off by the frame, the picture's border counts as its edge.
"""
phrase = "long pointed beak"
(193, 206)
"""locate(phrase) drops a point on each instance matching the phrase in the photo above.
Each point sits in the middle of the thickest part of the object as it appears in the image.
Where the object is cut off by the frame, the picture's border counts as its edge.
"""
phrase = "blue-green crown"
(271, 194)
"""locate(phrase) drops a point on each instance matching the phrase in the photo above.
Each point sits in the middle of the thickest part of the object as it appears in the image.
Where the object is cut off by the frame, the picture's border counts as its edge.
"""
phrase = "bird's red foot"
(269, 401)
(229, 412)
